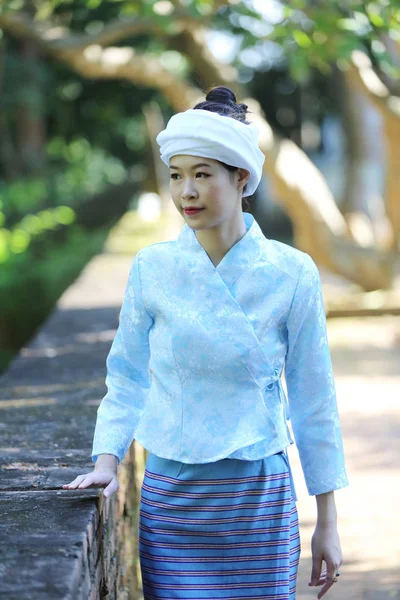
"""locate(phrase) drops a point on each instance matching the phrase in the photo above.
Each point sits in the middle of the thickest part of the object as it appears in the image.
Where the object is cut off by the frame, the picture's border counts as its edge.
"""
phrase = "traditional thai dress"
(194, 374)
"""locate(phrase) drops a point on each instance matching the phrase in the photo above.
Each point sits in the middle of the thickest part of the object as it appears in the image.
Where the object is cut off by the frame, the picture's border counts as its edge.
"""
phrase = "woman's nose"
(189, 190)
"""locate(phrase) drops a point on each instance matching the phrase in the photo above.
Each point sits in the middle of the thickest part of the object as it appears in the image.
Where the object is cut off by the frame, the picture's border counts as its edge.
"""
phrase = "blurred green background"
(86, 85)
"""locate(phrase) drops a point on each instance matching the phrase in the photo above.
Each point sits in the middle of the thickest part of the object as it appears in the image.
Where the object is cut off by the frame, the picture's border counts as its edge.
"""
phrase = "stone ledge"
(48, 541)
(55, 543)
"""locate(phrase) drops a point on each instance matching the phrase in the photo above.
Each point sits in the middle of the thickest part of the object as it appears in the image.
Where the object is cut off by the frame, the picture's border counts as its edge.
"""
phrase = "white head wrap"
(208, 134)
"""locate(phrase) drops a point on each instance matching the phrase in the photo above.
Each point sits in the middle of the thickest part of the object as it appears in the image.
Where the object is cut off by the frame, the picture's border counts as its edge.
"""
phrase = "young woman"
(208, 323)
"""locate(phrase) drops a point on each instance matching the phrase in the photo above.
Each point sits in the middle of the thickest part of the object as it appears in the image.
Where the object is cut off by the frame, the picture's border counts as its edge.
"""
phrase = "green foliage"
(38, 205)
(30, 292)
(16, 241)
(36, 75)
(44, 250)
(76, 170)
(315, 35)
(310, 35)
(90, 169)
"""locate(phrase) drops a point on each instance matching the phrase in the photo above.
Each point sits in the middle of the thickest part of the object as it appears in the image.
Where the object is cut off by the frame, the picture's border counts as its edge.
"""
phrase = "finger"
(331, 572)
(111, 488)
(75, 482)
(85, 483)
(77, 479)
(321, 580)
(316, 570)
(327, 585)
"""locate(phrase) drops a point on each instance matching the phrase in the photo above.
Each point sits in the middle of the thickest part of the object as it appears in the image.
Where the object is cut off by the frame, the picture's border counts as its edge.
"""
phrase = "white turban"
(208, 134)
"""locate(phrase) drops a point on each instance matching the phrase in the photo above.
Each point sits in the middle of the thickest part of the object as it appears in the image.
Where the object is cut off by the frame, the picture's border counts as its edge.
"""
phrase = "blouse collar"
(238, 258)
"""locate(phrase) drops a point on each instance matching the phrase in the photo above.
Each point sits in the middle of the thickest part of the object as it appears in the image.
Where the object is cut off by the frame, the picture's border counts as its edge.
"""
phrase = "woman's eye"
(174, 176)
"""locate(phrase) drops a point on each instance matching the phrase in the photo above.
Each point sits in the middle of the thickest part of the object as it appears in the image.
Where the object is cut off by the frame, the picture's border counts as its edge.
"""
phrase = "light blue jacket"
(194, 371)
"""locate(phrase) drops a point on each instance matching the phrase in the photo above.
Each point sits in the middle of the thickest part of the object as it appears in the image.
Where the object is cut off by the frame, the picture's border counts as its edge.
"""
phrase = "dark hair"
(222, 100)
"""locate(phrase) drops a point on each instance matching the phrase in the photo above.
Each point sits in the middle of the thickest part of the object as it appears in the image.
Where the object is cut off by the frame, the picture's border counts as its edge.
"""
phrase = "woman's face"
(204, 183)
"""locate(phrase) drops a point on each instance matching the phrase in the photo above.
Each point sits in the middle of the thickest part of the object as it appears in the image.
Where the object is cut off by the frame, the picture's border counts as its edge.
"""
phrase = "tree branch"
(94, 61)
(125, 63)
(52, 37)
(193, 43)
(363, 76)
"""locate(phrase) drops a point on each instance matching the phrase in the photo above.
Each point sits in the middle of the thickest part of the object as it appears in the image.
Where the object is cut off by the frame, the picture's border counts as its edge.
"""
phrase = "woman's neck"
(217, 241)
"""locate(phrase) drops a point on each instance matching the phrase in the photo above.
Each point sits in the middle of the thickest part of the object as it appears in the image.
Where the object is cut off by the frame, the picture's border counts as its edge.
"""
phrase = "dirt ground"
(366, 362)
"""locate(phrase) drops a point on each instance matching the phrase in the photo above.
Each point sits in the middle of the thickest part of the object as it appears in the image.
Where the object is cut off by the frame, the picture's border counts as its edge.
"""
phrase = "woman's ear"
(243, 178)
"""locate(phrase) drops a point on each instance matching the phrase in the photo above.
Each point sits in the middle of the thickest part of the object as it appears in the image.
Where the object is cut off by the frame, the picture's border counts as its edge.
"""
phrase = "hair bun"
(222, 100)
(221, 95)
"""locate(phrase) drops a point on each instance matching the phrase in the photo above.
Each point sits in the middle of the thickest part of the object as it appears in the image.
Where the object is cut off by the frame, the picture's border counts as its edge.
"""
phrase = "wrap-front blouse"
(194, 373)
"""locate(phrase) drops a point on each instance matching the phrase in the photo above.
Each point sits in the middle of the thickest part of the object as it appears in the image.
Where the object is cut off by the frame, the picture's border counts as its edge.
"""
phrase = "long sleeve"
(128, 379)
(311, 387)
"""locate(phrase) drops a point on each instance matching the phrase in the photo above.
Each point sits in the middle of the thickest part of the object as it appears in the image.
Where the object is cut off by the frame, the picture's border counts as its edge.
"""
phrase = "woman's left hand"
(325, 546)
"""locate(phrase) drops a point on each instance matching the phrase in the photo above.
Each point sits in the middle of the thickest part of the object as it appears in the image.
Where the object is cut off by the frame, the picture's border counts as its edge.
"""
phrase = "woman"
(207, 325)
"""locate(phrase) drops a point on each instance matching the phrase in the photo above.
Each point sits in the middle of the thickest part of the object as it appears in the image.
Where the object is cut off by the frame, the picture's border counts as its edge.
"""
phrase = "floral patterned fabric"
(194, 371)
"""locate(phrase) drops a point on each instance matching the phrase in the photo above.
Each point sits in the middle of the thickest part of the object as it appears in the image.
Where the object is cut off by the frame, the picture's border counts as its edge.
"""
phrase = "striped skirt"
(227, 529)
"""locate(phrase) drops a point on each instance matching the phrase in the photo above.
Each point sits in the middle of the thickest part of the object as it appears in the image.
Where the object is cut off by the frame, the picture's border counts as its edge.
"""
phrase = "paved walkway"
(366, 360)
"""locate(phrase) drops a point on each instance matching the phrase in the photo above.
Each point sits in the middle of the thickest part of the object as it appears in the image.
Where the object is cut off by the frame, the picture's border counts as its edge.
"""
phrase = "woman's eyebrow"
(193, 167)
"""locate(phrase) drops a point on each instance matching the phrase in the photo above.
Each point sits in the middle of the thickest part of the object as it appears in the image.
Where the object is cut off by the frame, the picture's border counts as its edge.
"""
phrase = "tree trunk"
(8, 155)
(362, 76)
(155, 123)
(30, 123)
(319, 227)
(392, 193)
(363, 205)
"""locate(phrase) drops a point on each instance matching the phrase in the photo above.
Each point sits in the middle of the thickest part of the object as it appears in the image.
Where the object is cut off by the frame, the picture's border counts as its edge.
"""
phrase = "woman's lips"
(192, 211)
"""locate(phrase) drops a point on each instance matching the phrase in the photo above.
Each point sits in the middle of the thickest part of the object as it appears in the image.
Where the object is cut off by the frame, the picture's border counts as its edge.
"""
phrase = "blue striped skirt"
(227, 529)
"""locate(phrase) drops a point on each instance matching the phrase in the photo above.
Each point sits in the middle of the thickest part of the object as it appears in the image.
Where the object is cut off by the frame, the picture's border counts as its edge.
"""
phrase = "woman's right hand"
(103, 477)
